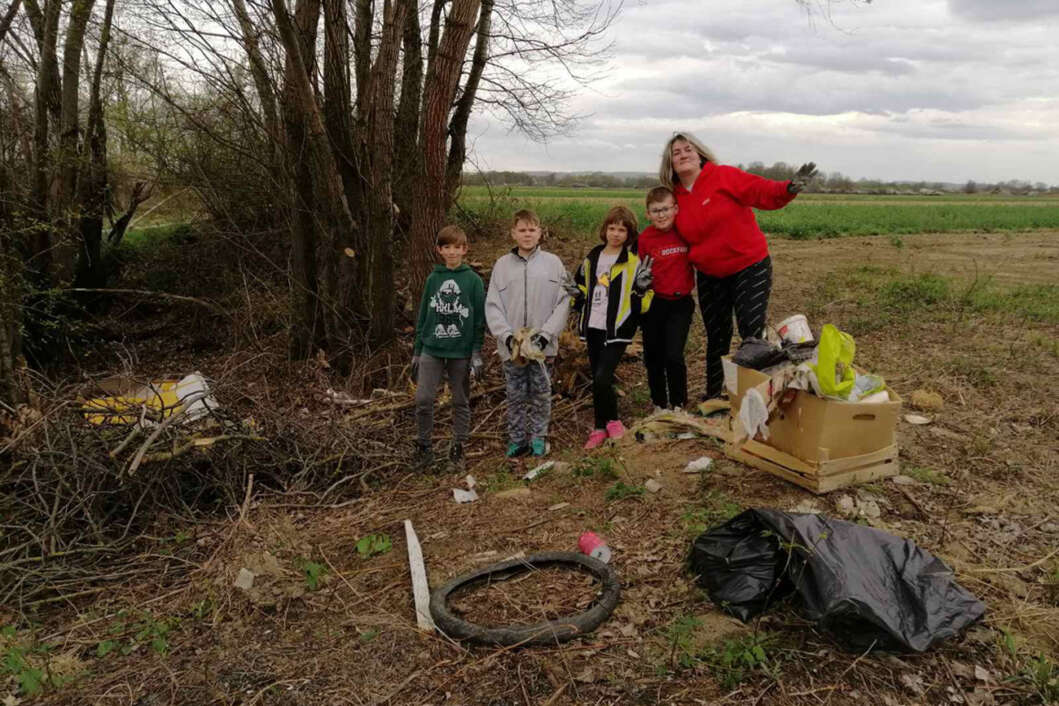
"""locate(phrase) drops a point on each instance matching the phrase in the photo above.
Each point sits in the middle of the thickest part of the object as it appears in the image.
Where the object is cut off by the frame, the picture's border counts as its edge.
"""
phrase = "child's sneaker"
(456, 457)
(596, 438)
(539, 447)
(515, 450)
(422, 458)
(615, 429)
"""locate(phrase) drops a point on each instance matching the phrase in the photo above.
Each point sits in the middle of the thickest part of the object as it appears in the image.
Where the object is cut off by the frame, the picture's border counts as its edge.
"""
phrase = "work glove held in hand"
(539, 340)
(803, 176)
(477, 366)
(570, 286)
(643, 279)
(508, 342)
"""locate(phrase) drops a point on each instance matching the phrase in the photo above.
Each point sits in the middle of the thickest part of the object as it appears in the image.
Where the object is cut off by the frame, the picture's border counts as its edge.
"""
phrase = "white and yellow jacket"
(624, 305)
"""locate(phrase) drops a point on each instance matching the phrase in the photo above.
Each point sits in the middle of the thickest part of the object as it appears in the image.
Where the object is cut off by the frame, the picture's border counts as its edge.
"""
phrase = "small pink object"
(615, 429)
(593, 545)
(596, 438)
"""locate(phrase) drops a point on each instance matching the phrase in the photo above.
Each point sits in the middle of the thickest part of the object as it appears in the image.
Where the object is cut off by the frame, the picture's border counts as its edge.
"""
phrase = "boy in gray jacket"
(526, 292)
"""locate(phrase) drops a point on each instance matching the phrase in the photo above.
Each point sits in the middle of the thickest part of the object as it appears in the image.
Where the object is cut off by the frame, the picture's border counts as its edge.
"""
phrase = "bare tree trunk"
(307, 324)
(335, 219)
(462, 114)
(8, 18)
(443, 77)
(380, 221)
(407, 163)
(92, 185)
(45, 97)
(12, 390)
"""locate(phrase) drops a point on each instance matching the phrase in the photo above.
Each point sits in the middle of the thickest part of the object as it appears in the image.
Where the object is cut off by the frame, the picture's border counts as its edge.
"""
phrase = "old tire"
(543, 633)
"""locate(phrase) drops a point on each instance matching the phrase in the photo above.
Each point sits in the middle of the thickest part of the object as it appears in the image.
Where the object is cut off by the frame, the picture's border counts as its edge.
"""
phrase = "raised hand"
(806, 173)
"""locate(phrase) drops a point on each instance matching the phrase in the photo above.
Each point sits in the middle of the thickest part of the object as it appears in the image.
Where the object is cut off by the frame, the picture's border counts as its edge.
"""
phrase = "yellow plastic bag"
(834, 363)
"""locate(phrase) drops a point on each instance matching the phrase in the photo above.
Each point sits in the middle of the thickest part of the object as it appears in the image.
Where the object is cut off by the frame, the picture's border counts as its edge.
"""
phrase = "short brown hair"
(525, 215)
(659, 194)
(620, 214)
(451, 235)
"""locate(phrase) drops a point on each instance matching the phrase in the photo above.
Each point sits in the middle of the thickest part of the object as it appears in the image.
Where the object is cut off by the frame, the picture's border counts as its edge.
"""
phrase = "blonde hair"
(665, 171)
(620, 214)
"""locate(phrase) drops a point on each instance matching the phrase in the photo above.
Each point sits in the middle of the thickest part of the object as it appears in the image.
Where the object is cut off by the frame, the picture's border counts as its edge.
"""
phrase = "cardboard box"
(825, 443)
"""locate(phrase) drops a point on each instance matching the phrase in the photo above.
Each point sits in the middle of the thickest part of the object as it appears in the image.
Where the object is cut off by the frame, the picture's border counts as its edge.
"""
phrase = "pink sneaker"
(596, 438)
(615, 429)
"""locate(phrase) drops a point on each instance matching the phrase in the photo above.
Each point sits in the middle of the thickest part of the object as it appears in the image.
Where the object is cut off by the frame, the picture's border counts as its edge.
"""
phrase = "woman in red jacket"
(715, 216)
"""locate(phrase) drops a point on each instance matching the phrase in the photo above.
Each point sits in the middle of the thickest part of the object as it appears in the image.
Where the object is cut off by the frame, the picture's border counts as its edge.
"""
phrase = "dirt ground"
(326, 624)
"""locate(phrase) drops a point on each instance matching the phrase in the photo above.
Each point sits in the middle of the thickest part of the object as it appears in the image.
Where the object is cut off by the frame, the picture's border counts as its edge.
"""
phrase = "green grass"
(884, 297)
(567, 211)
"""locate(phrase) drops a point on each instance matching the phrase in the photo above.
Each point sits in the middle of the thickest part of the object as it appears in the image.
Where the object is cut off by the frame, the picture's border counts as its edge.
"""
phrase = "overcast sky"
(938, 90)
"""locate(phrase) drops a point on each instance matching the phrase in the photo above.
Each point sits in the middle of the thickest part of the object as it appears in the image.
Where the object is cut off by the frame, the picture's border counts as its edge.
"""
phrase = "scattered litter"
(559, 506)
(926, 400)
(537, 471)
(981, 673)
(652, 485)
(807, 506)
(678, 424)
(758, 354)
(133, 403)
(420, 587)
(861, 507)
(591, 544)
(846, 505)
(522, 492)
(464, 496)
(343, 398)
(470, 481)
(754, 415)
(917, 419)
(245, 579)
(542, 633)
(699, 465)
(864, 586)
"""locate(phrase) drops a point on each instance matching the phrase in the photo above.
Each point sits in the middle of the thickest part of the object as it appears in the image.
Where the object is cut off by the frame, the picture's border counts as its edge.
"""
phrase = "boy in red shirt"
(665, 325)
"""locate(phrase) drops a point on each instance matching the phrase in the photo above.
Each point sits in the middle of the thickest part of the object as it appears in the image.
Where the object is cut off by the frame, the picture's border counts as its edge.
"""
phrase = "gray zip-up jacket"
(527, 292)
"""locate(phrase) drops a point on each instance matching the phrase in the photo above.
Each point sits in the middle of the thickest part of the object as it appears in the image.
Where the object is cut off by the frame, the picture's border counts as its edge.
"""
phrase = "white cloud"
(898, 89)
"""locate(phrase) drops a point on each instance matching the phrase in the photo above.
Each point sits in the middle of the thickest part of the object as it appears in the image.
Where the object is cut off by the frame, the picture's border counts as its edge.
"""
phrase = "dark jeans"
(747, 294)
(665, 333)
(604, 360)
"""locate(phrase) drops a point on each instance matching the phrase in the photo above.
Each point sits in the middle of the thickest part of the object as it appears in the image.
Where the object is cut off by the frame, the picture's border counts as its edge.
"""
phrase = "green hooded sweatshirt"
(451, 313)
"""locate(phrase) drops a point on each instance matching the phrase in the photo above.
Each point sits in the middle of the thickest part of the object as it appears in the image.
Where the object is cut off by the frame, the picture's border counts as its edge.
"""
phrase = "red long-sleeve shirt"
(673, 276)
(716, 220)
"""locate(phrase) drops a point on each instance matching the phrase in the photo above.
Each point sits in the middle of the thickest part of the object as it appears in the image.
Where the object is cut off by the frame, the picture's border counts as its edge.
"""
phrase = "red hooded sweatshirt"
(673, 276)
(716, 220)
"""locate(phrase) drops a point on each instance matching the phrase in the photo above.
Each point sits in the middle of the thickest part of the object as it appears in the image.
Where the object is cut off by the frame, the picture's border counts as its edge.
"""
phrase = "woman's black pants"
(747, 294)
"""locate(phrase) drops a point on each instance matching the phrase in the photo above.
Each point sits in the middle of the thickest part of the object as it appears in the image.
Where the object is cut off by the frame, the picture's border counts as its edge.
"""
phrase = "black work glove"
(414, 368)
(508, 343)
(539, 340)
(643, 279)
(806, 173)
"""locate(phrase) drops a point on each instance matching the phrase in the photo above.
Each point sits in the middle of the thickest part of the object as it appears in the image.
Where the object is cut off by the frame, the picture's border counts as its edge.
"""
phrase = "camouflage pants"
(529, 402)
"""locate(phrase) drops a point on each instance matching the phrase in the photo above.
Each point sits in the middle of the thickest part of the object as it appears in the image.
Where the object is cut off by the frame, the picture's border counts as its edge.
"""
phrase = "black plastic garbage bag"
(862, 585)
(758, 354)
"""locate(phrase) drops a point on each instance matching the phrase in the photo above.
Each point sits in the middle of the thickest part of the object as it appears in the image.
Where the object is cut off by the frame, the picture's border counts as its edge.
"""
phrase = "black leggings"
(604, 360)
(665, 333)
(747, 294)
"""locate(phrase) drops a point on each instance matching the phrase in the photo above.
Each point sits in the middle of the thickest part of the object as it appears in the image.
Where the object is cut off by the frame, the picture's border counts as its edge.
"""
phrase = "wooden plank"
(770, 453)
(817, 484)
(850, 463)
(420, 587)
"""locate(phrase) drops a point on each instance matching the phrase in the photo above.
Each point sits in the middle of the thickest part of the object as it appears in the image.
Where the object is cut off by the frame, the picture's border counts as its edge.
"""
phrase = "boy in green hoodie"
(449, 336)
